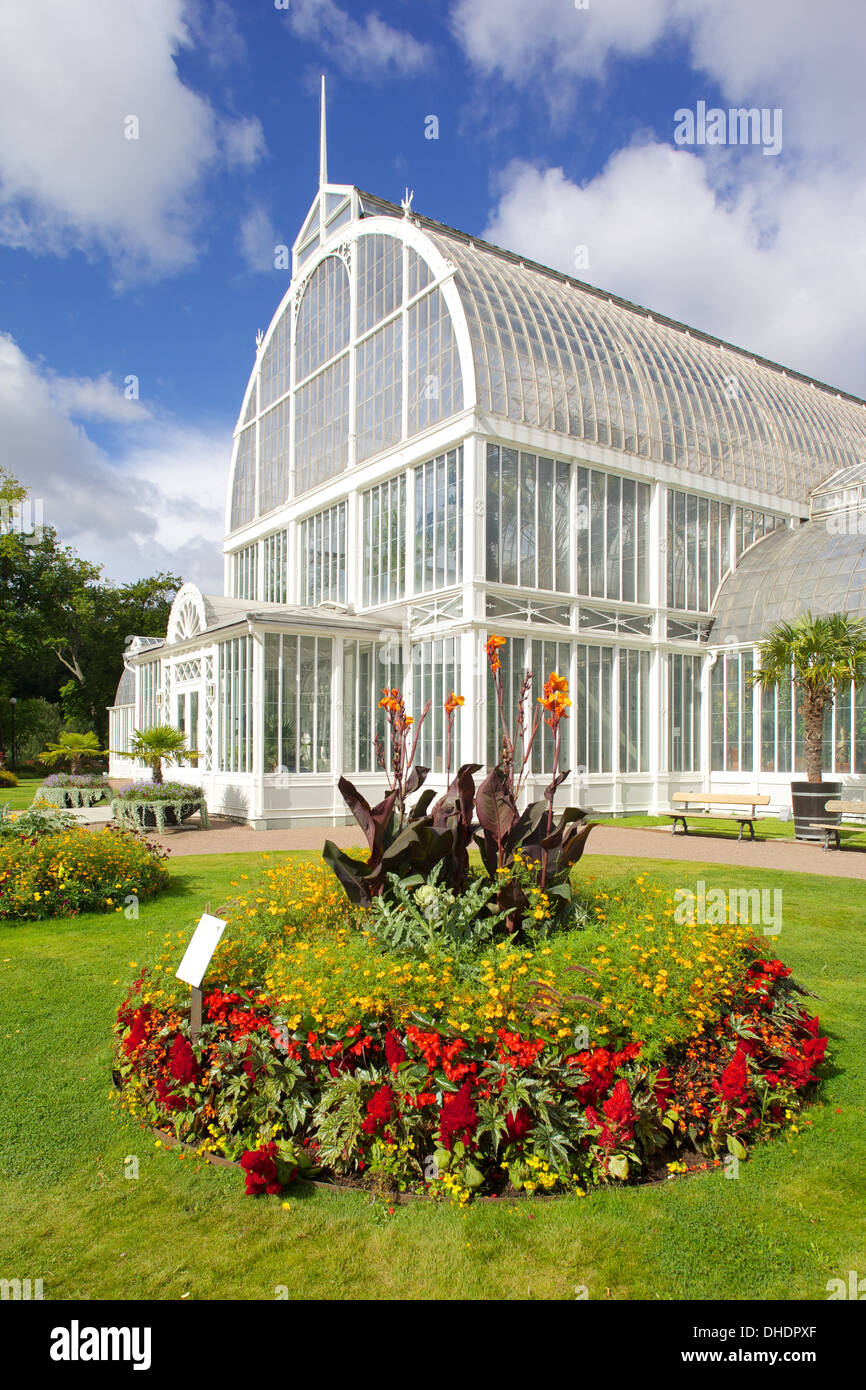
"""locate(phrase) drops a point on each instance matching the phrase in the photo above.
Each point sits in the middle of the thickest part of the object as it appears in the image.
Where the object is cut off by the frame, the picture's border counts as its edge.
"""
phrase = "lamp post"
(13, 702)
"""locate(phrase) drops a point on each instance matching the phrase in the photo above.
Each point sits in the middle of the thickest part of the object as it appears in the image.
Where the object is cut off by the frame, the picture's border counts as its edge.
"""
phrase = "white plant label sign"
(198, 953)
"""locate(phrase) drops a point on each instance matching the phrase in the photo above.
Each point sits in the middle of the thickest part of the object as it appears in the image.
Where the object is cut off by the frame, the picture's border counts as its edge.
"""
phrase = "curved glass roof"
(819, 566)
(552, 352)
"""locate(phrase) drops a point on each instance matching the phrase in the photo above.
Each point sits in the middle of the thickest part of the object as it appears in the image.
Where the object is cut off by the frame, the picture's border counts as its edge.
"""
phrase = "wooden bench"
(839, 809)
(746, 815)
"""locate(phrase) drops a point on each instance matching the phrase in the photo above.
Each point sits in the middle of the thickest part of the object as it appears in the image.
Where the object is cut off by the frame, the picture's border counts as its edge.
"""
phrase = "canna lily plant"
(549, 849)
(411, 842)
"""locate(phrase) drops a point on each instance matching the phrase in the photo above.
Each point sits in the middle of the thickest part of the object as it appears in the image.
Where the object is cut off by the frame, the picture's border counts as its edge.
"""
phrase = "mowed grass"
(794, 1218)
(20, 797)
(766, 828)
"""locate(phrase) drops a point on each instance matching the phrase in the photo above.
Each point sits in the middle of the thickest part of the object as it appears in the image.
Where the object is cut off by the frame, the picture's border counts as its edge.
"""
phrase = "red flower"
(181, 1061)
(395, 1053)
(620, 1111)
(260, 1171)
(139, 1031)
(380, 1109)
(458, 1118)
(734, 1081)
(167, 1098)
(518, 1124)
(663, 1089)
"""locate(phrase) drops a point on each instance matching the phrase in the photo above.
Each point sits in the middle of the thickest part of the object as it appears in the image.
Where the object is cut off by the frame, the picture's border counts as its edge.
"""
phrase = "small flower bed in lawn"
(61, 875)
(593, 1055)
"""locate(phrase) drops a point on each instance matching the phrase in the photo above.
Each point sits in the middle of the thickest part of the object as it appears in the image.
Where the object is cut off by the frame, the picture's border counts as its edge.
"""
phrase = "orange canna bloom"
(453, 702)
(491, 646)
(555, 699)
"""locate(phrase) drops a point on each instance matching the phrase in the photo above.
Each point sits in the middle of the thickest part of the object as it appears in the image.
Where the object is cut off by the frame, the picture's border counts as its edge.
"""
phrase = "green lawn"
(20, 797)
(795, 1218)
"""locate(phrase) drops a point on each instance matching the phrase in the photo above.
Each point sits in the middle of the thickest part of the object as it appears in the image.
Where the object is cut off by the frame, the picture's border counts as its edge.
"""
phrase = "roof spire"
(323, 142)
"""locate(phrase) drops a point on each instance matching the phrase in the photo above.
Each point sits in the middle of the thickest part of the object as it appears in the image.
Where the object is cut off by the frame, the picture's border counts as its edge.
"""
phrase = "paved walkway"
(225, 837)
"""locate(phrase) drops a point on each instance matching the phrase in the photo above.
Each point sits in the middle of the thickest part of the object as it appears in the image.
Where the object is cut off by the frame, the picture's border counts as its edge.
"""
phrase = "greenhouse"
(440, 440)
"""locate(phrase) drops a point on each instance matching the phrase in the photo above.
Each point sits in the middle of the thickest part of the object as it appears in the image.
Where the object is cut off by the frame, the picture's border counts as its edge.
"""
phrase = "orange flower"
(491, 646)
(555, 699)
(453, 702)
(391, 700)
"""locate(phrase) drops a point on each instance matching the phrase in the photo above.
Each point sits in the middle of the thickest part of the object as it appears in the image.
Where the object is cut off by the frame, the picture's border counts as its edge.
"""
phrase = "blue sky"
(154, 257)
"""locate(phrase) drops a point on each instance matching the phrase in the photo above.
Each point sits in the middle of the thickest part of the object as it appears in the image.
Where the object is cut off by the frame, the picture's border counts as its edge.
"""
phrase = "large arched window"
(324, 320)
(315, 391)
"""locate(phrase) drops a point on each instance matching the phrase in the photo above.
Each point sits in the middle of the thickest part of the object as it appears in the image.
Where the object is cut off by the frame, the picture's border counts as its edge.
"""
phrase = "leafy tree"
(63, 627)
(822, 655)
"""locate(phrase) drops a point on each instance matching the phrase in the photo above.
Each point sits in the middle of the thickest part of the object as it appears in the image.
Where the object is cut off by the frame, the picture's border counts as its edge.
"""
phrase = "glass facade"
(731, 713)
(612, 536)
(245, 572)
(684, 713)
(528, 520)
(274, 457)
(435, 672)
(235, 684)
(548, 657)
(592, 700)
(751, 526)
(634, 710)
(384, 541)
(367, 670)
(435, 382)
(378, 391)
(438, 522)
(298, 701)
(323, 556)
(698, 549)
(275, 553)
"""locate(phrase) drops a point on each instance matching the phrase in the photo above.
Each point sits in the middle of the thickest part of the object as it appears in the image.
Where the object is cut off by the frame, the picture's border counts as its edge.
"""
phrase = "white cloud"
(258, 239)
(776, 266)
(806, 57)
(365, 48)
(156, 504)
(244, 143)
(71, 77)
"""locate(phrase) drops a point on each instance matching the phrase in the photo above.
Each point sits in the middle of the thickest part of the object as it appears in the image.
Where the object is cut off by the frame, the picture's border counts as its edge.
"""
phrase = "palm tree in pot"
(822, 656)
(158, 745)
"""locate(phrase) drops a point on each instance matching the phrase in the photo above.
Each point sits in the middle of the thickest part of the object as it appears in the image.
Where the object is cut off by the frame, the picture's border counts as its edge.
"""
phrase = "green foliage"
(63, 627)
(74, 749)
(33, 823)
(338, 1118)
(7, 778)
(431, 920)
(161, 743)
(61, 875)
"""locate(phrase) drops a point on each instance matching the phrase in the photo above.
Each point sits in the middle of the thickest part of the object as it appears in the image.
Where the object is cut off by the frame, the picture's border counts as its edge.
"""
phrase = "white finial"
(323, 142)
(260, 338)
(407, 202)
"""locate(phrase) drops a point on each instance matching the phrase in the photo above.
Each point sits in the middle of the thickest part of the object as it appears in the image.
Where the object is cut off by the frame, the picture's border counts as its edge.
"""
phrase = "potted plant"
(820, 655)
(157, 803)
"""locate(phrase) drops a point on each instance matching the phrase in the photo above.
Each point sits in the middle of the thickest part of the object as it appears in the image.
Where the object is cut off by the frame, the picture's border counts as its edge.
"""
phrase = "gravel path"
(225, 837)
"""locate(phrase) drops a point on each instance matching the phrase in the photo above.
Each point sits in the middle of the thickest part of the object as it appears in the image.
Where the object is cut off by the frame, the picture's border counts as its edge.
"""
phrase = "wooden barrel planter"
(808, 800)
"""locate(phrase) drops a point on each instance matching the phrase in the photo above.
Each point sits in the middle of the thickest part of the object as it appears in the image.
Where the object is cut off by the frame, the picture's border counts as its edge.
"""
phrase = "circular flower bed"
(154, 805)
(61, 875)
(64, 790)
(607, 1053)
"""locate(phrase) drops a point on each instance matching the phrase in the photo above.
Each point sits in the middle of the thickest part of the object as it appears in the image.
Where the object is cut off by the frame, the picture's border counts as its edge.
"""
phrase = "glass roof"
(818, 566)
(557, 354)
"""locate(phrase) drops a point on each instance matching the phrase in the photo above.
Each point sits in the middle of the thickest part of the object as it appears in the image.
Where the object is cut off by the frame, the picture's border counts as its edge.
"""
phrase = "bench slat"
(719, 799)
